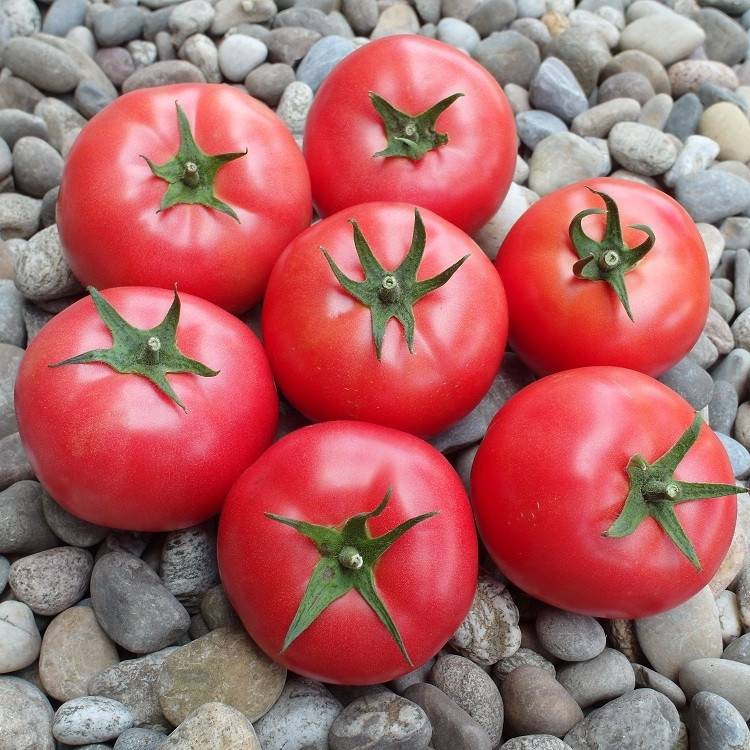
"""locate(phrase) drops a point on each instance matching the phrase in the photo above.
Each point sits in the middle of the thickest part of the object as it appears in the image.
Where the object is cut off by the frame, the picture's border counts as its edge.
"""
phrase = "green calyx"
(411, 135)
(391, 294)
(148, 352)
(348, 557)
(654, 492)
(191, 172)
(607, 259)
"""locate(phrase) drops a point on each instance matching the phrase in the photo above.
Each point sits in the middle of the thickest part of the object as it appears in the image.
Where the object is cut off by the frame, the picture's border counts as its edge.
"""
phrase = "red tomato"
(319, 336)
(552, 476)
(323, 475)
(112, 447)
(108, 211)
(559, 321)
(463, 178)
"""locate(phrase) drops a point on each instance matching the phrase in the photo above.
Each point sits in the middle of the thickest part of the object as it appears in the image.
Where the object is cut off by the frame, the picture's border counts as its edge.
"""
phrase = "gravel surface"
(649, 91)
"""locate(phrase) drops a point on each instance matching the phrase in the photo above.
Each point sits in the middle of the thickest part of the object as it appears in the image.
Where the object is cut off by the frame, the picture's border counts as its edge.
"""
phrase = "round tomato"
(386, 314)
(139, 413)
(195, 184)
(408, 118)
(349, 552)
(589, 493)
(605, 272)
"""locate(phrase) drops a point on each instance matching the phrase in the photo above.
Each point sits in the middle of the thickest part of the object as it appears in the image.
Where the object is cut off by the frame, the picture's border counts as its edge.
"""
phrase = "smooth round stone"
(217, 610)
(201, 51)
(695, 156)
(137, 738)
(725, 40)
(715, 723)
(43, 66)
(667, 36)
(637, 61)
(586, 54)
(655, 112)
(188, 18)
(712, 195)
(90, 719)
(163, 73)
(117, 25)
(10, 358)
(568, 635)
(691, 381)
(452, 727)
(301, 717)
(599, 120)
(52, 580)
(606, 676)
(738, 649)
(501, 669)
(535, 703)
(90, 99)
(490, 630)
(555, 89)
(306, 16)
(239, 54)
(134, 606)
(20, 640)
(69, 528)
(718, 331)
(23, 528)
(116, 62)
(429, 10)
(641, 149)
(642, 718)
(509, 56)
(689, 75)
(458, 34)
(724, 677)
(711, 93)
(224, 665)
(593, 23)
(628, 84)
(231, 13)
(74, 649)
(741, 330)
(26, 716)
(380, 719)
(361, 14)
(735, 369)
(726, 124)
(14, 124)
(732, 564)
(268, 81)
(64, 15)
(729, 615)
(23, 16)
(561, 159)
(649, 678)
(289, 44)
(536, 124)
(674, 638)
(326, 53)
(20, 216)
(473, 689)
(213, 726)
(37, 167)
(534, 29)
(684, 116)
(494, 15)
(294, 106)
(396, 19)
(736, 233)
(62, 121)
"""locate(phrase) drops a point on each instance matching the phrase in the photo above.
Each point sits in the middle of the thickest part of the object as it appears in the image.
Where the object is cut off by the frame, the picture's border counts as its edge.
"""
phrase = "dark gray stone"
(15, 123)
(509, 56)
(685, 115)
(555, 89)
(712, 195)
(23, 528)
(14, 466)
(691, 381)
(323, 56)
(722, 408)
(714, 723)
(63, 15)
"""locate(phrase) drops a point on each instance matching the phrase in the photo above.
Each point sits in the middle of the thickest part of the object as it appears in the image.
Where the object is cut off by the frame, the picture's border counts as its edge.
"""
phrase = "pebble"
(321, 59)
(26, 716)
(684, 116)
(301, 717)
(163, 73)
(20, 640)
(535, 742)
(674, 638)
(20, 216)
(502, 668)
(223, 665)
(12, 328)
(134, 606)
(213, 726)
(452, 727)
(490, 630)
(378, 720)
(718, 330)
(90, 719)
(555, 89)
(23, 528)
(15, 123)
(728, 126)
(637, 61)
(231, 13)
(74, 649)
(37, 167)
(268, 81)
(561, 159)
(724, 677)
(712, 195)
(666, 36)
(239, 54)
(597, 121)
(722, 408)
(536, 124)
(729, 615)
(137, 738)
(641, 149)
(43, 66)
(735, 369)
(117, 25)
(472, 689)
(64, 15)
(586, 54)
(52, 580)
(289, 44)
(535, 703)
(649, 678)
(655, 112)
(715, 723)
(23, 16)
(217, 611)
(458, 34)
(69, 528)
(606, 676)
(568, 635)
(696, 155)
(738, 453)
(294, 105)
(736, 233)
(689, 75)
(738, 649)
(703, 353)
(725, 40)
(643, 718)
(691, 381)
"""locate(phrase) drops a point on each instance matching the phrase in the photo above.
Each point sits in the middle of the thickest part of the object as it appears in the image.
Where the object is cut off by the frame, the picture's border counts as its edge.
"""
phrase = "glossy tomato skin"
(558, 321)
(550, 478)
(319, 338)
(107, 211)
(112, 448)
(464, 180)
(324, 474)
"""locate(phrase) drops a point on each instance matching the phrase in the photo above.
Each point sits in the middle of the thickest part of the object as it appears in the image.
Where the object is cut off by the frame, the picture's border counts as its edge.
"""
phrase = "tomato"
(384, 125)
(559, 321)
(341, 348)
(551, 478)
(349, 552)
(137, 448)
(114, 216)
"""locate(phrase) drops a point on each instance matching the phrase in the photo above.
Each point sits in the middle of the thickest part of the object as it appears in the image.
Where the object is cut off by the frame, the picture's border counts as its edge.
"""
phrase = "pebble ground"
(650, 91)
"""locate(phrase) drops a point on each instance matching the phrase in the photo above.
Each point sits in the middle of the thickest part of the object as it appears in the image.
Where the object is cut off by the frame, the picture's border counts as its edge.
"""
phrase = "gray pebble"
(10, 358)
(711, 93)
(301, 717)
(656, 111)
(568, 635)
(138, 738)
(213, 725)
(362, 15)
(69, 528)
(684, 117)
(188, 18)
(239, 54)
(63, 15)
(232, 13)
(380, 720)
(12, 328)
(289, 44)
(20, 215)
(641, 149)
(90, 99)
(509, 56)
(37, 167)
(715, 723)
(722, 300)
(217, 610)
(691, 381)
(724, 677)
(49, 207)
(321, 59)
(736, 233)
(90, 719)
(15, 123)
(27, 715)
(305, 16)
(703, 353)
(115, 25)
(19, 637)
(458, 34)
(14, 465)
(696, 155)
(606, 676)
(536, 124)
(268, 81)
(6, 159)
(738, 649)
(649, 678)
(429, 10)
(61, 119)
(725, 40)
(200, 50)
(23, 528)
(666, 35)
(133, 606)
(52, 580)
(535, 742)
(735, 369)
(294, 106)
(502, 668)
(555, 89)
(561, 159)
(585, 53)
(599, 120)
(493, 15)
(40, 64)
(722, 408)
(116, 62)
(4, 568)
(713, 195)
(532, 28)
(163, 73)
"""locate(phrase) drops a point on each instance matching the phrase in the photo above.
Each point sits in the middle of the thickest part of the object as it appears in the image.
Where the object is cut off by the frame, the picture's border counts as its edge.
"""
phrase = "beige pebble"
(727, 124)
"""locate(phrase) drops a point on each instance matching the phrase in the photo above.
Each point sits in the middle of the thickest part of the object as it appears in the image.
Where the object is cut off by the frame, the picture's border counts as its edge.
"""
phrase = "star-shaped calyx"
(654, 492)
(191, 172)
(411, 135)
(391, 294)
(149, 352)
(348, 556)
(608, 259)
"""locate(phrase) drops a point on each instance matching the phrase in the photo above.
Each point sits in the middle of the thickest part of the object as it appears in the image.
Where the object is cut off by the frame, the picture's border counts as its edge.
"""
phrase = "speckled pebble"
(561, 159)
(20, 216)
(606, 676)
(23, 528)
(90, 719)
(294, 105)
(691, 381)
(715, 723)
(724, 677)
(213, 726)
(568, 635)
(689, 75)
(555, 89)
(641, 149)
(27, 716)
(20, 640)
(696, 155)
(138, 738)
(37, 167)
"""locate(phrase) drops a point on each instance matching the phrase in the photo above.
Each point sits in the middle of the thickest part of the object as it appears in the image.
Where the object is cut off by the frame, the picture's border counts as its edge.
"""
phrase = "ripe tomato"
(550, 481)
(349, 552)
(116, 223)
(343, 349)
(559, 321)
(120, 450)
(454, 156)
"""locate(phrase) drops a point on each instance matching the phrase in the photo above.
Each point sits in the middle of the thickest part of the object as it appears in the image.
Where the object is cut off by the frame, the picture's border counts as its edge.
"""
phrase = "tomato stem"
(191, 175)
(351, 558)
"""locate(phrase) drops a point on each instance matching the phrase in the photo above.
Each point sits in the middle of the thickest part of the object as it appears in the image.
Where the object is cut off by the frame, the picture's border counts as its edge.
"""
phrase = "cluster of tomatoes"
(348, 546)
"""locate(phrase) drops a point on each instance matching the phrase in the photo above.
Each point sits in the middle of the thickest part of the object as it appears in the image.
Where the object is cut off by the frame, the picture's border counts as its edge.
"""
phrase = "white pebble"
(90, 719)
(20, 640)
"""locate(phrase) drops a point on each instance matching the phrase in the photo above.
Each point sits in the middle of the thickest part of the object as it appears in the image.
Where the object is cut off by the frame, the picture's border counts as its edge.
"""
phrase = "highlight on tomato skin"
(349, 552)
(599, 490)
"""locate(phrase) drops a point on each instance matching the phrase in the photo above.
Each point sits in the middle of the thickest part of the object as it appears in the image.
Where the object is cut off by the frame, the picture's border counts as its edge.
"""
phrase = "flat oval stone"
(90, 719)
(502, 668)
(561, 159)
(641, 149)
(570, 636)
(649, 678)
(163, 73)
(715, 723)
(555, 89)
(40, 64)
(606, 676)
(667, 36)
(713, 195)
(213, 726)
(23, 528)
(724, 677)
(695, 156)
(27, 716)
(19, 636)
(597, 121)
(728, 126)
